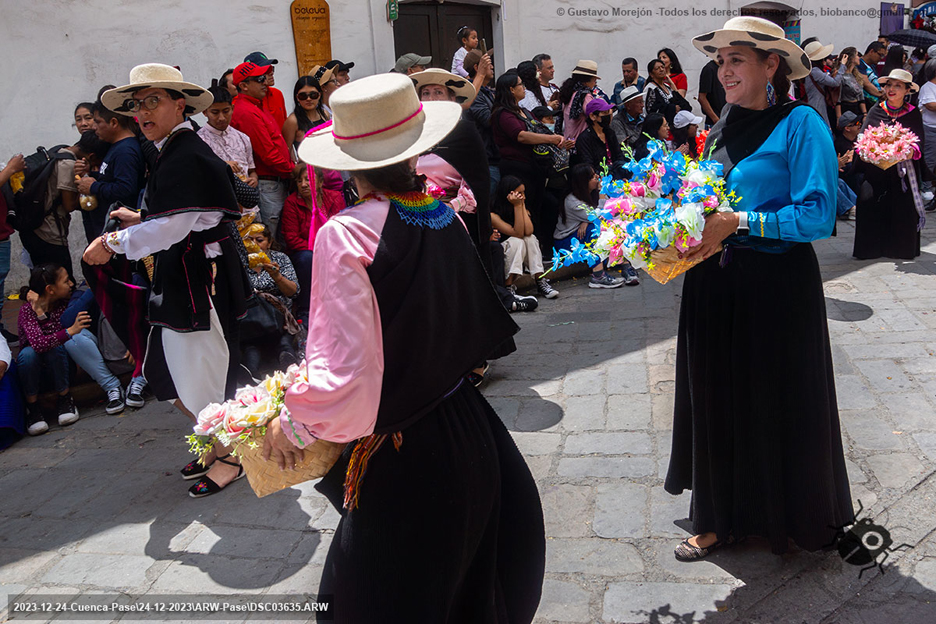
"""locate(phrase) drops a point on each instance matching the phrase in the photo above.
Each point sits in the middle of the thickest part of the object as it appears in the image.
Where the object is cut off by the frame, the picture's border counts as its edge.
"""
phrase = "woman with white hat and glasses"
(199, 287)
(445, 524)
(756, 433)
(889, 213)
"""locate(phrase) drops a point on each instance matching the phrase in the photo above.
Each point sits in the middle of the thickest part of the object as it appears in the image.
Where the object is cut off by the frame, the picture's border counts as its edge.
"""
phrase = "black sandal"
(687, 552)
(195, 469)
(206, 487)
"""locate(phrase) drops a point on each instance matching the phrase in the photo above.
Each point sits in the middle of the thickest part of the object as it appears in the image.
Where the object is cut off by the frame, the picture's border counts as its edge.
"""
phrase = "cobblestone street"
(99, 507)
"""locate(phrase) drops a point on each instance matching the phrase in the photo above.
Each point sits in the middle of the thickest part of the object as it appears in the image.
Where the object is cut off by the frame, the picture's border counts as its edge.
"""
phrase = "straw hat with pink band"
(376, 121)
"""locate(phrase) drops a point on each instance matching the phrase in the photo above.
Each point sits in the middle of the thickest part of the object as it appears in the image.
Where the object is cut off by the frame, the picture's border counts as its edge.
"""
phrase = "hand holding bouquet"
(886, 145)
(657, 215)
(242, 424)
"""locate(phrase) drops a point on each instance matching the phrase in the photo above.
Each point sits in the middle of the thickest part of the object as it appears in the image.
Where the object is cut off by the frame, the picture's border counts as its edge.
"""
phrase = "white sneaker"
(68, 413)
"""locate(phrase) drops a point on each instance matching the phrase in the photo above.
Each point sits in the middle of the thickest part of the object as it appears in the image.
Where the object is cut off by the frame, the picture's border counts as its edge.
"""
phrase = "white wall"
(74, 47)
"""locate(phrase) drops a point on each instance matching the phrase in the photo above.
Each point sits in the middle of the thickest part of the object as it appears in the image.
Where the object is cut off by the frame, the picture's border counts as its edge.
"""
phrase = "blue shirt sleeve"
(813, 182)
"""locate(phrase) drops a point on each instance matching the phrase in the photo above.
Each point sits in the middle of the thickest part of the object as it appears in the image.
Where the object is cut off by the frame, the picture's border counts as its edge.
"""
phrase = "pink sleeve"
(344, 352)
(465, 200)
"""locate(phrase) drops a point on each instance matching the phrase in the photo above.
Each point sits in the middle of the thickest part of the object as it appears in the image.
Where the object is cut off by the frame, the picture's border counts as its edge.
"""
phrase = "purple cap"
(597, 105)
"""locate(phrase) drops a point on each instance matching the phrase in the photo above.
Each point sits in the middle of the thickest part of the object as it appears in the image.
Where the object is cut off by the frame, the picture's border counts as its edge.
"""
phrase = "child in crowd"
(510, 217)
(468, 38)
(574, 224)
(230, 144)
(300, 223)
(46, 344)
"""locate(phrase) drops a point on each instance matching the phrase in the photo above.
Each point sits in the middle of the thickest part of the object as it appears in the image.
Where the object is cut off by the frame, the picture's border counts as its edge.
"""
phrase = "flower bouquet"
(885, 145)
(241, 424)
(656, 215)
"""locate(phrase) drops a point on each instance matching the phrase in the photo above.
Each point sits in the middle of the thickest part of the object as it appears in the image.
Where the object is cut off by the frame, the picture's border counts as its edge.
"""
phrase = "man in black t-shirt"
(711, 93)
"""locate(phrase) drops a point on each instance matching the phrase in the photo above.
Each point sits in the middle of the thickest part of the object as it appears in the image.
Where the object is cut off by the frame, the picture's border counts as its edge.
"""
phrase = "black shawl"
(189, 177)
(464, 150)
(739, 133)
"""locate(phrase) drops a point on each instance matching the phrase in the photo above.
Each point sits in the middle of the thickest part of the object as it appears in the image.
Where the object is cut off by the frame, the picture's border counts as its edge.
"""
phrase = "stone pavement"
(99, 507)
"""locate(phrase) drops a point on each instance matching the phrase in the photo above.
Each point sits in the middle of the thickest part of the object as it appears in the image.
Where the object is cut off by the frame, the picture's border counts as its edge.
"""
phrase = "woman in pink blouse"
(445, 523)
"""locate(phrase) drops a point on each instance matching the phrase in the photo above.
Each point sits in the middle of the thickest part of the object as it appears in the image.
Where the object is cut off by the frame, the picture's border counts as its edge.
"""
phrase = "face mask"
(605, 122)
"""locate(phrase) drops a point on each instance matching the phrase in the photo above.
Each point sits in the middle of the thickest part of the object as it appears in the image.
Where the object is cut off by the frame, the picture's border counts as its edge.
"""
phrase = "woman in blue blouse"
(756, 433)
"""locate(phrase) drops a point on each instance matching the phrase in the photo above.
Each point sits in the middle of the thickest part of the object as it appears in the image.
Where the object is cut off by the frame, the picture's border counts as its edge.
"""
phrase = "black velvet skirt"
(756, 432)
(449, 528)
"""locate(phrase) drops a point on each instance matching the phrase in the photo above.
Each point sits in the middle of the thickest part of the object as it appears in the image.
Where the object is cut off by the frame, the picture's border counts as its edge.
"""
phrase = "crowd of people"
(221, 245)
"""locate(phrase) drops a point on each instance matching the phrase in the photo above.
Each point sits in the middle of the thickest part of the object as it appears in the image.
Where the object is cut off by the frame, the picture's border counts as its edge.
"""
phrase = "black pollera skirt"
(756, 433)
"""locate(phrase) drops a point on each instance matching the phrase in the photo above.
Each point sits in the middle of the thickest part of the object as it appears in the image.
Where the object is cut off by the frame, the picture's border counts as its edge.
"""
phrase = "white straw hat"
(754, 32)
(816, 51)
(157, 76)
(378, 121)
(464, 91)
(900, 75)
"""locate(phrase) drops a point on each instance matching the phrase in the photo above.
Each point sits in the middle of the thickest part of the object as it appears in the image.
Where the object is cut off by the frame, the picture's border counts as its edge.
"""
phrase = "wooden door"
(428, 28)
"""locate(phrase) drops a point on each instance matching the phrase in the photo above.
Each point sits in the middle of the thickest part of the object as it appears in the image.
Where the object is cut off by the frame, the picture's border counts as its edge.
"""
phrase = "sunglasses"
(149, 103)
(307, 95)
(257, 79)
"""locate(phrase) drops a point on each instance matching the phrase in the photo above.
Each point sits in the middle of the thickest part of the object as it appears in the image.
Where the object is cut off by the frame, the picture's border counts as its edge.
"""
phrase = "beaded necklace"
(417, 208)
(893, 112)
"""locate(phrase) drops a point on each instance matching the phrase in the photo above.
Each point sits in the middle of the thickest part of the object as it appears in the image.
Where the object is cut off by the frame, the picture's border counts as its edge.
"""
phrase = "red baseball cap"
(246, 70)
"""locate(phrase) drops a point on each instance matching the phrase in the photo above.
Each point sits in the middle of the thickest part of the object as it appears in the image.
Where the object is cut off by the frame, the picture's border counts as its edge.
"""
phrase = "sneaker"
(604, 280)
(546, 289)
(115, 403)
(135, 393)
(512, 289)
(524, 304)
(67, 411)
(630, 276)
(12, 339)
(35, 423)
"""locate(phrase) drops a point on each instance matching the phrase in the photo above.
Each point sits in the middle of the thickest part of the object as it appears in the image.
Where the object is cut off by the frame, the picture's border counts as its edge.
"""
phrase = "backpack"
(28, 210)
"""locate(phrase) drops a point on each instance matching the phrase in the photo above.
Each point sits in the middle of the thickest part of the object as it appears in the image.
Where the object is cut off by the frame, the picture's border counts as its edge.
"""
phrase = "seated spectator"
(654, 127)
(597, 145)
(511, 218)
(850, 176)
(626, 123)
(468, 38)
(12, 421)
(49, 241)
(685, 129)
(660, 91)
(340, 71)
(300, 224)
(46, 344)
(229, 144)
(276, 282)
(534, 94)
(630, 79)
(574, 224)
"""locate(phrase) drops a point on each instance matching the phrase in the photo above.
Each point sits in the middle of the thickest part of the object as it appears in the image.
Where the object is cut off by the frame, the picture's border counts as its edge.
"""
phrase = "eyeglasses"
(307, 95)
(150, 102)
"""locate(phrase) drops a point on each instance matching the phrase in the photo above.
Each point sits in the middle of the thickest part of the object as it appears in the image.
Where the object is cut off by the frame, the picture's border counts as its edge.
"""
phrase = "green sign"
(393, 9)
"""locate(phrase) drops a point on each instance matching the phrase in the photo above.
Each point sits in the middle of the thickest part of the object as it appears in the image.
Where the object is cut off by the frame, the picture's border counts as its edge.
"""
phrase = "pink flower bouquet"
(241, 423)
(886, 145)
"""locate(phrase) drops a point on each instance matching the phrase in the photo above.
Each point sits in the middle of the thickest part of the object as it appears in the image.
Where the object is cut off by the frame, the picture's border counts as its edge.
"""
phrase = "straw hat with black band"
(156, 76)
(757, 33)
(378, 121)
(586, 68)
